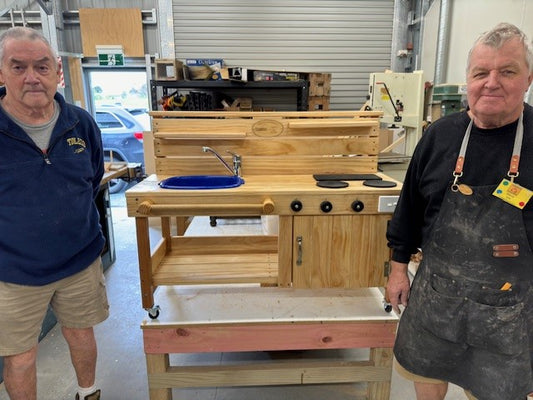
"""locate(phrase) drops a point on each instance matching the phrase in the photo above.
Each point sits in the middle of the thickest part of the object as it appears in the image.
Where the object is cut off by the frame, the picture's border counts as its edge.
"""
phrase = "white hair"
(24, 33)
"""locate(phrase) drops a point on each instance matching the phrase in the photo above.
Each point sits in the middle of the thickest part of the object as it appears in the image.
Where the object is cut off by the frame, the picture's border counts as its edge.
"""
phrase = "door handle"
(300, 251)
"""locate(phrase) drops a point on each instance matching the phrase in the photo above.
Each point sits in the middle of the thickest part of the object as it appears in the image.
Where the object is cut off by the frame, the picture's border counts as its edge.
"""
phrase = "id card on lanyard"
(513, 193)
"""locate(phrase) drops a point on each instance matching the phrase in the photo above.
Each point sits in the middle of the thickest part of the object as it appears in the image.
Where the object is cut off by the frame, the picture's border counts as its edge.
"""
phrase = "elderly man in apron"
(468, 315)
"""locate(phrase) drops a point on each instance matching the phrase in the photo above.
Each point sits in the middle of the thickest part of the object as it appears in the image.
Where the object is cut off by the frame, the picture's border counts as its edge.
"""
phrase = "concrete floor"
(121, 363)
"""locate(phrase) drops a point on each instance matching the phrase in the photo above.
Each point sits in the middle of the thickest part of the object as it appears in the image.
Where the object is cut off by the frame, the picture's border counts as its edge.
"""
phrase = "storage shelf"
(232, 84)
(301, 86)
(180, 269)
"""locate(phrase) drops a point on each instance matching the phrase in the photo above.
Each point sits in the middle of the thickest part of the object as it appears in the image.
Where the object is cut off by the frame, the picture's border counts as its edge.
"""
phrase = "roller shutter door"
(349, 39)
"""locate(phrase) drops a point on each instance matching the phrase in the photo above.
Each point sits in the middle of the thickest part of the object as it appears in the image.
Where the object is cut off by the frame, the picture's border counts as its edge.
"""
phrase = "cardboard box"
(203, 68)
(168, 69)
(212, 62)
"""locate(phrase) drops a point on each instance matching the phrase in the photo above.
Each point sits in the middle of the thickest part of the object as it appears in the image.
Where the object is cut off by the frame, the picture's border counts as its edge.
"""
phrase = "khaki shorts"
(422, 379)
(78, 301)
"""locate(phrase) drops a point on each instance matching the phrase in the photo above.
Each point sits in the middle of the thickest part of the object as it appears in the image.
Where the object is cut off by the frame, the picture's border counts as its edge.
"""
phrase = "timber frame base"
(299, 332)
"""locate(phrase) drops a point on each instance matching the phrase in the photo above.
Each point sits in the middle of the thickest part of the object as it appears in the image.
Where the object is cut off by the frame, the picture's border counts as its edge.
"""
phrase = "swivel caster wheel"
(153, 312)
(387, 306)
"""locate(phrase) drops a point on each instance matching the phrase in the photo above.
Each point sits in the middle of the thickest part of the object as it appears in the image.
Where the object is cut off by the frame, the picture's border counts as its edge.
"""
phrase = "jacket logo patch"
(78, 143)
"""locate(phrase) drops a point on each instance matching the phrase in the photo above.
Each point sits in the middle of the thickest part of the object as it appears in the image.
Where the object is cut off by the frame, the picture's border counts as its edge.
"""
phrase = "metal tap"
(237, 160)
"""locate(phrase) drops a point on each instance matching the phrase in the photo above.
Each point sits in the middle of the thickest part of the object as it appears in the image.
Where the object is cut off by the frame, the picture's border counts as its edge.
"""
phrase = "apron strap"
(515, 158)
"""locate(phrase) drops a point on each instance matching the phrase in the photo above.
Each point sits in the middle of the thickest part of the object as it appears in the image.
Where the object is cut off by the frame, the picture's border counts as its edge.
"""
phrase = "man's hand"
(398, 285)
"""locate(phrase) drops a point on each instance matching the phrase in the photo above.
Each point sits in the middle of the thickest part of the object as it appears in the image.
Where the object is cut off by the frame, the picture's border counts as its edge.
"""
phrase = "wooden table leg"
(158, 363)
(182, 223)
(145, 262)
(381, 357)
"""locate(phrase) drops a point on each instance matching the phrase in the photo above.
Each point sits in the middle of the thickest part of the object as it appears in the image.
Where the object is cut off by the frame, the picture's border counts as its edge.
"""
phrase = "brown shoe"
(92, 396)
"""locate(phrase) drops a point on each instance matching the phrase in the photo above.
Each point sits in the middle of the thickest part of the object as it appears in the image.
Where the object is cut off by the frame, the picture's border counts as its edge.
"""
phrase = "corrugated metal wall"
(347, 38)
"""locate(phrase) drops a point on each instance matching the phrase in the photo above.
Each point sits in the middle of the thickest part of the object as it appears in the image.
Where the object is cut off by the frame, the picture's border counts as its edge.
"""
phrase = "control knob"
(296, 205)
(326, 206)
(358, 206)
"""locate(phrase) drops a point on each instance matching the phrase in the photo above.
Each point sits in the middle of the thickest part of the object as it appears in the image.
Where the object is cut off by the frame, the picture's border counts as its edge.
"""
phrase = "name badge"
(513, 193)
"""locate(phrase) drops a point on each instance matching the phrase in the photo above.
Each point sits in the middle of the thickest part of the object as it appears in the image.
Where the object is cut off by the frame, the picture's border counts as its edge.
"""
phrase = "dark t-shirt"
(430, 174)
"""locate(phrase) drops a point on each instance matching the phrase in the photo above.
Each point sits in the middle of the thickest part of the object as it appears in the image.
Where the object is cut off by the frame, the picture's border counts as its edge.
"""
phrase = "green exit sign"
(110, 59)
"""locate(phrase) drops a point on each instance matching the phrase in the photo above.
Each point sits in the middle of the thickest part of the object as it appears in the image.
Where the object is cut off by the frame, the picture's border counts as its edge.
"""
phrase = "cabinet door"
(341, 251)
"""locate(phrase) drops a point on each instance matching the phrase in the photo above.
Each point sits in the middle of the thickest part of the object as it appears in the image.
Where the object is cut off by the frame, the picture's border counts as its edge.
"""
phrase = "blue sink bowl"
(197, 182)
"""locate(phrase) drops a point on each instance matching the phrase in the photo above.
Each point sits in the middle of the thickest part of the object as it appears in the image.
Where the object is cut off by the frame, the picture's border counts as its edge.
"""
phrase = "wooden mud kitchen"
(314, 282)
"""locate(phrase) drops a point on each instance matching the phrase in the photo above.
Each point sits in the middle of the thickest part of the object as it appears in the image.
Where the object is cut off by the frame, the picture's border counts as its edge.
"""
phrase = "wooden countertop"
(246, 304)
(258, 184)
(281, 190)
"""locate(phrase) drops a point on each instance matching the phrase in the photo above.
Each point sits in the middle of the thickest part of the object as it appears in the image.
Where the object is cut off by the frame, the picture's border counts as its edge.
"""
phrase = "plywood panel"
(76, 81)
(204, 306)
(110, 26)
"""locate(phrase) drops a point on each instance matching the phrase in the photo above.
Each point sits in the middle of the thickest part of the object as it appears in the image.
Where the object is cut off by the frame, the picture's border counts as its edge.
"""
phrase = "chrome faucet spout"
(236, 160)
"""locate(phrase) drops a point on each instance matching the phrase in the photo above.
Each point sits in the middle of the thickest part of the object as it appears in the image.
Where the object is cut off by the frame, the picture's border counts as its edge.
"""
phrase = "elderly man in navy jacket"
(51, 164)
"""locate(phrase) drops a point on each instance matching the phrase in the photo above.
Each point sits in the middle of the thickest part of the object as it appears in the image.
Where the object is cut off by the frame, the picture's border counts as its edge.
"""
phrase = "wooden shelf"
(198, 260)
(209, 268)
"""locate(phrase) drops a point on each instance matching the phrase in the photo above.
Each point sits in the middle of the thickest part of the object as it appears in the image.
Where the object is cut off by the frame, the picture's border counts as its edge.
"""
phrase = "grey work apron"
(460, 326)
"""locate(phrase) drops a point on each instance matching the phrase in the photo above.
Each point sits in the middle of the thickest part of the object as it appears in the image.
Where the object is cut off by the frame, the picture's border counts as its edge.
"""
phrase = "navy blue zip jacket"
(49, 223)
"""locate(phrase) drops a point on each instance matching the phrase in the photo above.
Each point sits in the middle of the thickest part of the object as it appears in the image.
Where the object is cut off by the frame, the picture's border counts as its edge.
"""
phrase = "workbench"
(238, 319)
(328, 240)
